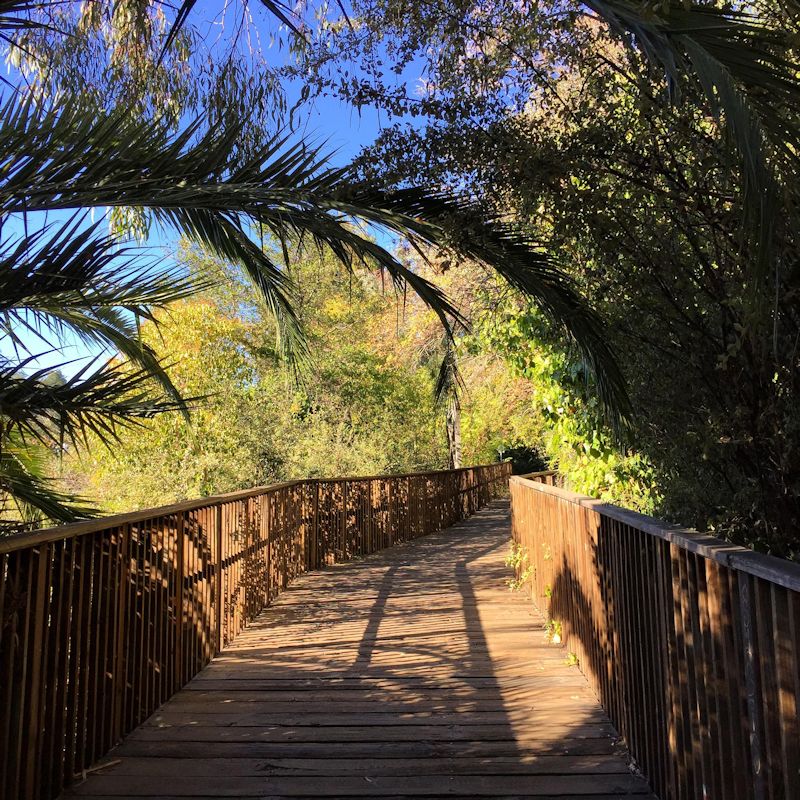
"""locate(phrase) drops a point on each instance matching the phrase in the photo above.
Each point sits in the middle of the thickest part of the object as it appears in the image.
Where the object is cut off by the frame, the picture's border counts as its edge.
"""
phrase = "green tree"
(63, 154)
(643, 204)
(360, 410)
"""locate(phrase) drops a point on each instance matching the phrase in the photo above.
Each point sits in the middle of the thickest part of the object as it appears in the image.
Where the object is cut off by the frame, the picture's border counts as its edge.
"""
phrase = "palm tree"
(60, 158)
(67, 278)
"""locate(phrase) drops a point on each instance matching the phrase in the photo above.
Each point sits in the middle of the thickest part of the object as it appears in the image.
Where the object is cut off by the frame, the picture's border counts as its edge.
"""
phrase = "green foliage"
(553, 632)
(129, 52)
(572, 660)
(677, 219)
(517, 559)
(59, 281)
(69, 150)
(358, 410)
(573, 434)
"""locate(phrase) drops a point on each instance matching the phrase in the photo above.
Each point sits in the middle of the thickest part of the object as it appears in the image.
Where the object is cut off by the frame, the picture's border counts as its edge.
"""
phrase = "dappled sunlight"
(409, 671)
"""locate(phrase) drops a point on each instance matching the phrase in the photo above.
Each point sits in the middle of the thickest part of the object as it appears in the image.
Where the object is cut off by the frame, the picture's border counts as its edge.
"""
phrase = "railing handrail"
(771, 568)
(13, 542)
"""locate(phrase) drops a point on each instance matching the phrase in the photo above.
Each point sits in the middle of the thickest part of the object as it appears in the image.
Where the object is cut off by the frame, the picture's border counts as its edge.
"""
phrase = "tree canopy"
(651, 150)
(66, 150)
(627, 170)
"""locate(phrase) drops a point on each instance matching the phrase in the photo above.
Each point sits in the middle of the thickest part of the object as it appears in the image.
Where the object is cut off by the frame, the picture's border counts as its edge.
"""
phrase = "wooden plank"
(304, 766)
(418, 750)
(488, 723)
(410, 701)
(373, 786)
(262, 795)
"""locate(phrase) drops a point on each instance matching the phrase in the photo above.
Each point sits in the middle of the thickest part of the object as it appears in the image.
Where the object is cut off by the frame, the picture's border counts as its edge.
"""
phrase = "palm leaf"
(34, 496)
(449, 381)
(436, 219)
(98, 402)
(191, 182)
(274, 7)
(68, 279)
(15, 15)
(744, 67)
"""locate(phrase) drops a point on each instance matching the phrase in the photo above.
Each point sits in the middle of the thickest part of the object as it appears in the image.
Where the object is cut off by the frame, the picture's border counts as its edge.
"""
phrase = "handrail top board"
(70, 530)
(771, 568)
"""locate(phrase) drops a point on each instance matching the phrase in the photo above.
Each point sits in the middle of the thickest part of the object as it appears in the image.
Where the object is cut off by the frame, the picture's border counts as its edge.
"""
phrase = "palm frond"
(71, 266)
(279, 10)
(34, 496)
(449, 380)
(222, 235)
(191, 182)
(42, 406)
(743, 65)
(436, 219)
(15, 15)
(67, 279)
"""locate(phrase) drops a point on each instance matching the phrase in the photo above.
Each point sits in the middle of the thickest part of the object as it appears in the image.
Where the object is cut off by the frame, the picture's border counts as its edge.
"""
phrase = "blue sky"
(343, 129)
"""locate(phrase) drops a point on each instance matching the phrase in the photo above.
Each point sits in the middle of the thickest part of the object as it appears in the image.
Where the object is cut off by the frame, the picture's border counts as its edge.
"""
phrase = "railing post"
(180, 579)
(369, 528)
(35, 722)
(313, 549)
(218, 599)
(390, 531)
(751, 685)
(121, 665)
(340, 555)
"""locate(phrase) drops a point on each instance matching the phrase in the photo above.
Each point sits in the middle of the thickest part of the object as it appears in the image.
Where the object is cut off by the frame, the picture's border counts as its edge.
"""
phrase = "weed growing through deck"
(553, 631)
(517, 559)
(572, 660)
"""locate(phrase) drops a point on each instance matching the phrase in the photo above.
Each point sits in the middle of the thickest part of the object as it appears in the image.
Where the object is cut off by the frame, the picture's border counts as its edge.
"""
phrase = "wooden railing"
(102, 621)
(690, 643)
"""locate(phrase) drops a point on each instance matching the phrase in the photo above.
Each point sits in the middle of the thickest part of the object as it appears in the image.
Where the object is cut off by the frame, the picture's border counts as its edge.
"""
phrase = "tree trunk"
(454, 432)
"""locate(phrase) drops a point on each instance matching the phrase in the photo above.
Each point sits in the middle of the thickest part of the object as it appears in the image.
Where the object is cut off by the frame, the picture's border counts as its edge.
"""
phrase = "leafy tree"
(736, 64)
(64, 154)
(358, 411)
(648, 209)
(494, 401)
(483, 62)
(366, 407)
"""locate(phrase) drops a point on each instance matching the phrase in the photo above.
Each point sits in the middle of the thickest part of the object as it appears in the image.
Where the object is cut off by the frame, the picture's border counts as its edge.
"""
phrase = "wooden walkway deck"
(412, 673)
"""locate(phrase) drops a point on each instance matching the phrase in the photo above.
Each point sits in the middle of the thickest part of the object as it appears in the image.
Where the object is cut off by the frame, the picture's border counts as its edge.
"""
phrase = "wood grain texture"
(412, 672)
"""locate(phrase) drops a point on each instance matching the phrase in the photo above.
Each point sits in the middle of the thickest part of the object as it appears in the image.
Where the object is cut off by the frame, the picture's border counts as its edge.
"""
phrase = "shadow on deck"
(414, 672)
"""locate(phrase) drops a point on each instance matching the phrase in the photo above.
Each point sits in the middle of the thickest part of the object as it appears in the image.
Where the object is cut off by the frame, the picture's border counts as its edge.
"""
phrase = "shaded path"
(414, 672)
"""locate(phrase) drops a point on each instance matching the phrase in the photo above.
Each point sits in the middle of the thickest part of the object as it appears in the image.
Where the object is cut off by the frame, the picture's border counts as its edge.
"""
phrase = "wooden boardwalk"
(412, 673)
